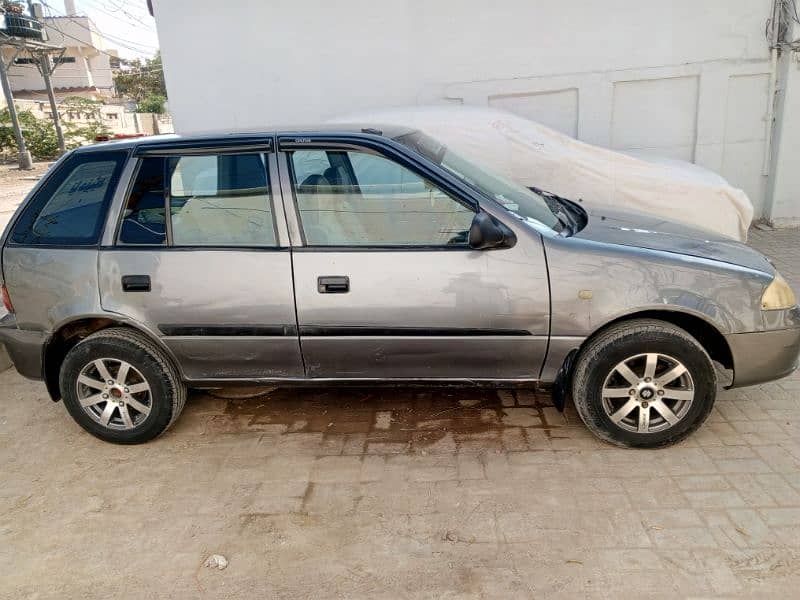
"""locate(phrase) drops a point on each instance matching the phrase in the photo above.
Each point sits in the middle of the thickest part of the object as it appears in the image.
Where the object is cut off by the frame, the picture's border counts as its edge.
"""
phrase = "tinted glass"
(526, 204)
(215, 200)
(220, 201)
(363, 199)
(70, 208)
(143, 219)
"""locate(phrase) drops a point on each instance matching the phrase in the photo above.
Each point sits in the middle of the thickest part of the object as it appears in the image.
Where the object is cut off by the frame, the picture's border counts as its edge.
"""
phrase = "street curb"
(5, 362)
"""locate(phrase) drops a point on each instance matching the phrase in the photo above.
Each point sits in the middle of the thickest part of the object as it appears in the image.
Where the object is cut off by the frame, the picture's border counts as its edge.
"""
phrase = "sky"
(125, 24)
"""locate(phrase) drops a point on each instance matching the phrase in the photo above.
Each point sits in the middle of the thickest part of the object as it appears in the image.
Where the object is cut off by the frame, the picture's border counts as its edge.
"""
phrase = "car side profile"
(137, 269)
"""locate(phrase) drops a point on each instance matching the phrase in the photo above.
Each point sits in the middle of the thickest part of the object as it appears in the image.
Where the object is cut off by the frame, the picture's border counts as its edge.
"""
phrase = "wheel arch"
(706, 333)
(69, 333)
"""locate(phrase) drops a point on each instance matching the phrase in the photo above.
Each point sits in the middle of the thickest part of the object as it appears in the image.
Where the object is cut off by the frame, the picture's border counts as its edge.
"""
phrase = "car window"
(364, 199)
(69, 208)
(309, 163)
(214, 200)
(143, 219)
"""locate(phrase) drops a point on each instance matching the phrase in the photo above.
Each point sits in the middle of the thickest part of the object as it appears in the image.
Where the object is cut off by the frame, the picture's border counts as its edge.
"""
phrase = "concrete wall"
(683, 79)
(113, 116)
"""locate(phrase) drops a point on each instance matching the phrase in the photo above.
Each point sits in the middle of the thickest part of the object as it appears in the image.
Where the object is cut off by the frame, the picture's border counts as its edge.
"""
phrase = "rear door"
(386, 284)
(199, 255)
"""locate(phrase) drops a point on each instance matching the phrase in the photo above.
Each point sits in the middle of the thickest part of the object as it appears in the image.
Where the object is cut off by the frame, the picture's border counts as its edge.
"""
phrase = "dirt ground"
(14, 185)
(401, 493)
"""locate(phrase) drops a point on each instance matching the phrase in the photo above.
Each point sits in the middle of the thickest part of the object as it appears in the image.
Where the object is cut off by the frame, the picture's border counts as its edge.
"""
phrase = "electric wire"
(142, 49)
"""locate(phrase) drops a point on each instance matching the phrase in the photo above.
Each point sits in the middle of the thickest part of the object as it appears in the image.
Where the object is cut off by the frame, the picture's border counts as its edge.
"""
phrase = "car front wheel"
(120, 387)
(643, 383)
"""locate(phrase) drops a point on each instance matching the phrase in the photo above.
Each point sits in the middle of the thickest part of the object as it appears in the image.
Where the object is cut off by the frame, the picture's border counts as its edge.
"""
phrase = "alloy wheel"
(648, 393)
(114, 393)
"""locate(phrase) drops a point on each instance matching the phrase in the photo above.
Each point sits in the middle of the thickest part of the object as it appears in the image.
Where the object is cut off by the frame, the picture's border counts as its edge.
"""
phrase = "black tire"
(601, 354)
(167, 394)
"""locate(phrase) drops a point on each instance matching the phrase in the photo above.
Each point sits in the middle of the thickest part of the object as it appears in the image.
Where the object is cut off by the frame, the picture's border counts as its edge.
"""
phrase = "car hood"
(613, 226)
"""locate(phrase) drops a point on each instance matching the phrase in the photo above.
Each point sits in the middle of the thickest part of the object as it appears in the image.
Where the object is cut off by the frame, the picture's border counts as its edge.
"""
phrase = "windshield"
(525, 204)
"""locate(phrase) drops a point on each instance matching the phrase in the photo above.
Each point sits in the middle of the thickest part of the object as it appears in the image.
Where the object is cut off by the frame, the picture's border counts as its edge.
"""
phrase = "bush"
(152, 104)
(40, 135)
(76, 134)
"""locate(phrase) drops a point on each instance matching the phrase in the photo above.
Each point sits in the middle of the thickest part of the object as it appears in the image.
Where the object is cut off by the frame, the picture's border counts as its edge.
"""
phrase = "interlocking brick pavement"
(401, 493)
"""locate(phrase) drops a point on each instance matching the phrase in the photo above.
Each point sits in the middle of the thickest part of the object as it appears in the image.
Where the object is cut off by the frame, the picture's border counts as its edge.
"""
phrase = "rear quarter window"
(70, 208)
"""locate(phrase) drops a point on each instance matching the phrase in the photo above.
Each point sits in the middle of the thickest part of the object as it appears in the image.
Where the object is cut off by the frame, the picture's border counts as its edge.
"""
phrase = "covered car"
(542, 158)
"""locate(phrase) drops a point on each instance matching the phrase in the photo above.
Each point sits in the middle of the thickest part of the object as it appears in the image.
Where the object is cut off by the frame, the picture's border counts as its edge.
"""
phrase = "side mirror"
(486, 232)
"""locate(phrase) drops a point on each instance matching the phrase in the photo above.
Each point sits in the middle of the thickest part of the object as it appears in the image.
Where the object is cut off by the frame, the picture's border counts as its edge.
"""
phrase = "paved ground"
(410, 493)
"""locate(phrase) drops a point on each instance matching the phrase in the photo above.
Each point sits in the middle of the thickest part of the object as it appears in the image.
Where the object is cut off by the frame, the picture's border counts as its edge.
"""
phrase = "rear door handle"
(136, 283)
(333, 285)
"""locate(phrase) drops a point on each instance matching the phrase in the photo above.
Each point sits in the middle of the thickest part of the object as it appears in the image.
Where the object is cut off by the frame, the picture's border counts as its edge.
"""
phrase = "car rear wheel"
(120, 387)
(643, 383)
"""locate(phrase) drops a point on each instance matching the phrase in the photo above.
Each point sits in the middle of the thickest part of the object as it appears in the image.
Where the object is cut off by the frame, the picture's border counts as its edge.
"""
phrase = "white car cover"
(537, 156)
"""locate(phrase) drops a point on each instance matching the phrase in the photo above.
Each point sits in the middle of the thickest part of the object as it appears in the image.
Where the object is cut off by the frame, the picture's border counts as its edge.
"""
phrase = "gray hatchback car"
(137, 269)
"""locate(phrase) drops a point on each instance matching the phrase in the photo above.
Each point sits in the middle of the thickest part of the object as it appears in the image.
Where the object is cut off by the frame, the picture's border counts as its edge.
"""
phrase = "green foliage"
(144, 79)
(152, 104)
(76, 134)
(40, 134)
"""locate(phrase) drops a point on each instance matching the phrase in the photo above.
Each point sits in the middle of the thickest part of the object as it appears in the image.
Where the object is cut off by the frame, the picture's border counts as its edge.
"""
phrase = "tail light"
(6, 298)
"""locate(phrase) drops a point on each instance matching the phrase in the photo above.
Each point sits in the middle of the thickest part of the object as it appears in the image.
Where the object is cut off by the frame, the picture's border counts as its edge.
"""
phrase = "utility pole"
(45, 70)
(25, 161)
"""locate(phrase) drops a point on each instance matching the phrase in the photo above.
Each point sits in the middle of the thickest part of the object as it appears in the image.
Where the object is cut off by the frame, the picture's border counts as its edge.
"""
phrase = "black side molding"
(335, 331)
(330, 331)
(229, 330)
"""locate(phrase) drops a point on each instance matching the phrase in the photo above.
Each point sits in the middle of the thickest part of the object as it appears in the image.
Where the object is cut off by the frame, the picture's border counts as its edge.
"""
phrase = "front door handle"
(136, 283)
(333, 285)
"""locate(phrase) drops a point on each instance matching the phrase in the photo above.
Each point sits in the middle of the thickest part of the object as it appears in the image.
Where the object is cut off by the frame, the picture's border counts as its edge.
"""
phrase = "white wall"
(685, 78)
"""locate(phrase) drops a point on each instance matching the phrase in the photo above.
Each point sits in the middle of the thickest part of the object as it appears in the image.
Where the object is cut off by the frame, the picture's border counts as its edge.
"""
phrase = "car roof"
(228, 136)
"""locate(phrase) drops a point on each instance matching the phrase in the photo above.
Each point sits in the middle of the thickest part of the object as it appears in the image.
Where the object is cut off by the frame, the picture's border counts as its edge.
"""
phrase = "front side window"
(522, 202)
(70, 207)
(209, 200)
(364, 199)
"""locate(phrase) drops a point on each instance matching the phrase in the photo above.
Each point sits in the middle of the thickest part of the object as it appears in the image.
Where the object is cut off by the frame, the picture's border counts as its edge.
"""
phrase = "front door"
(197, 258)
(386, 285)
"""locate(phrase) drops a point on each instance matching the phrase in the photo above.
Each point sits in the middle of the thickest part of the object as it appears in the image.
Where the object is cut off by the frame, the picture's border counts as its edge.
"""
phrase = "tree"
(152, 104)
(83, 133)
(142, 79)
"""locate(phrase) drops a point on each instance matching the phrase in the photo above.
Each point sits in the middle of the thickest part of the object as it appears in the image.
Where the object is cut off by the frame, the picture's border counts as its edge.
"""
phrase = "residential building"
(85, 68)
(681, 79)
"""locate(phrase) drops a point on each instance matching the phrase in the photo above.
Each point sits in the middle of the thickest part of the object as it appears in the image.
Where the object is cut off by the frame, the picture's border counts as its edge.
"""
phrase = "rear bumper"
(24, 347)
(763, 356)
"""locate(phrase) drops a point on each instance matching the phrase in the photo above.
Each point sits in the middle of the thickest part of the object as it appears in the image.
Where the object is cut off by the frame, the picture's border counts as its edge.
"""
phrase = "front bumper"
(763, 356)
(24, 347)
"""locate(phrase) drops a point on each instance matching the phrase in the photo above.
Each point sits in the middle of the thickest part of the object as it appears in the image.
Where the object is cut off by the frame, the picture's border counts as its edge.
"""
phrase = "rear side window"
(214, 200)
(70, 209)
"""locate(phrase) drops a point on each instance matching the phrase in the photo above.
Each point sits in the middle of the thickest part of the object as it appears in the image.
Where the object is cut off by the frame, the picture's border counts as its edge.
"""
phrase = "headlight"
(778, 295)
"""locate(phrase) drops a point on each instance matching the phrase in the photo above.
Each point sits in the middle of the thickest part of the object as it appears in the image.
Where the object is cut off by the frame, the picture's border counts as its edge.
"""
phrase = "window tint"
(220, 201)
(143, 219)
(362, 199)
(70, 208)
(213, 201)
